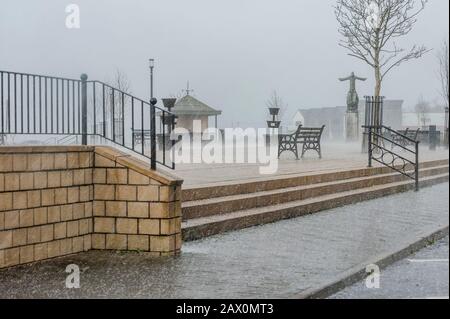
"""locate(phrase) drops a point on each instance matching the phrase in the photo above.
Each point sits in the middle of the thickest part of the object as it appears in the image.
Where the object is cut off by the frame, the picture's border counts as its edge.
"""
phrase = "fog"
(233, 52)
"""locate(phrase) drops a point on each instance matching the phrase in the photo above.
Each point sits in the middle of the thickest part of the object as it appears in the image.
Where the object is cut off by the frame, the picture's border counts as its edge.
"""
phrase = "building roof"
(188, 105)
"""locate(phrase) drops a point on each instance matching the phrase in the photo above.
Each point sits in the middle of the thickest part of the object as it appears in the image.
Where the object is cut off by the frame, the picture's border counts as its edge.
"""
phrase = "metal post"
(153, 102)
(417, 166)
(151, 82)
(432, 137)
(369, 143)
(446, 128)
(151, 63)
(84, 78)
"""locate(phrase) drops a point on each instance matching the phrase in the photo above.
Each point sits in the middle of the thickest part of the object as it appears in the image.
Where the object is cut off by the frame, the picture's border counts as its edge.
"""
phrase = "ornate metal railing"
(47, 105)
(406, 164)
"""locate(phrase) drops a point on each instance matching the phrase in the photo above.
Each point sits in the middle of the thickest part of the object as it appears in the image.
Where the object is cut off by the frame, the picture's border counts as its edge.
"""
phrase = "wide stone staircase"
(214, 209)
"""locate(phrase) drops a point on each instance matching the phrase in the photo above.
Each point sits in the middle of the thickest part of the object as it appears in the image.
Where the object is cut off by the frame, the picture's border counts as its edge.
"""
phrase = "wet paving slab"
(270, 261)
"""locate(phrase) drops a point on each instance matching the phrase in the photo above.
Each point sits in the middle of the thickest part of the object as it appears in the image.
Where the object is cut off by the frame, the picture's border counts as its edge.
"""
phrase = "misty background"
(234, 53)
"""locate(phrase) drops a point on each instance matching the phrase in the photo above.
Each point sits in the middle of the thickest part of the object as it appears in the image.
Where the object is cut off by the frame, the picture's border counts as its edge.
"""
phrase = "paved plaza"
(336, 156)
(271, 261)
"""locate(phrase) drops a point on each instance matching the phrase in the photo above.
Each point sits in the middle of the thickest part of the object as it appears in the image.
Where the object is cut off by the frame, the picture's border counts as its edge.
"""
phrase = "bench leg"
(316, 147)
(304, 149)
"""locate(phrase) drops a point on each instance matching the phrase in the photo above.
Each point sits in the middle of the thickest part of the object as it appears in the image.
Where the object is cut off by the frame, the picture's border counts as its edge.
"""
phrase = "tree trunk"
(378, 80)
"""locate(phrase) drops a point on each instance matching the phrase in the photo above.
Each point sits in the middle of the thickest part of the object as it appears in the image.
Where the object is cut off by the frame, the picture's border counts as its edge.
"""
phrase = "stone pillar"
(433, 137)
(352, 126)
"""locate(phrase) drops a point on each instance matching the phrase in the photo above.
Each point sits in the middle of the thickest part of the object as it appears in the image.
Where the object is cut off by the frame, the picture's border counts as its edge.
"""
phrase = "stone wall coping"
(45, 149)
(106, 151)
(137, 165)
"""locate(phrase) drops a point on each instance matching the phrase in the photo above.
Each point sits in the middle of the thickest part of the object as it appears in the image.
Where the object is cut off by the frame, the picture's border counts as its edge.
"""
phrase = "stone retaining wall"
(61, 200)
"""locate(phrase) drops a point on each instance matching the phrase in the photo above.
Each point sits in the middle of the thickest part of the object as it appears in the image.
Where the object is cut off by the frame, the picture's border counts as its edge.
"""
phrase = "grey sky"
(233, 52)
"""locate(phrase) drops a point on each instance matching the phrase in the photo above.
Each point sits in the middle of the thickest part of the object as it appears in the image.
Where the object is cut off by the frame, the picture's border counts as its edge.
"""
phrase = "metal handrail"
(390, 130)
(40, 75)
(129, 95)
(393, 142)
(119, 91)
(48, 105)
(375, 145)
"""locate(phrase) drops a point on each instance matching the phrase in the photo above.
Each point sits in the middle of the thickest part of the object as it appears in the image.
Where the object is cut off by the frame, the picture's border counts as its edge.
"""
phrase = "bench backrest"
(414, 134)
(310, 134)
(411, 134)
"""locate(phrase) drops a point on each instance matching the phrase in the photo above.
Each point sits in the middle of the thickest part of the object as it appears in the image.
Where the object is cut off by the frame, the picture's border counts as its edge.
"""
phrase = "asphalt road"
(424, 275)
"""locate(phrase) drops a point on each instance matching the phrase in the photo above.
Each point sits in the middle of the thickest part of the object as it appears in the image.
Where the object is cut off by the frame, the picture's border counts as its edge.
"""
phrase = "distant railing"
(406, 164)
(47, 105)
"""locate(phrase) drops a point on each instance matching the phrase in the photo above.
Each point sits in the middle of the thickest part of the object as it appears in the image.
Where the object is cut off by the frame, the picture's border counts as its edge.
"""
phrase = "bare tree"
(423, 109)
(444, 73)
(120, 83)
(275, 101)
(370, 29)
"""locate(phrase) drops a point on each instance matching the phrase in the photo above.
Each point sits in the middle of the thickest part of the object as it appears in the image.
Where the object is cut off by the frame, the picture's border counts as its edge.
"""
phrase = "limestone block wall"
(56, 201)
(133, 208)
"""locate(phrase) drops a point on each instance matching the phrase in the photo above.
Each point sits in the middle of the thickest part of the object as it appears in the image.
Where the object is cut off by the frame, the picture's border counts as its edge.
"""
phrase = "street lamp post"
(152, 66)
(152, 119)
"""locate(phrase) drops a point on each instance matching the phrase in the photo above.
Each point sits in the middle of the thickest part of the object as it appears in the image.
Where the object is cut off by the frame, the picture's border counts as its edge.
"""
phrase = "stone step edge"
(217, 200)
(198, 228)
(230, 204)
(238, 187)
(358, 273)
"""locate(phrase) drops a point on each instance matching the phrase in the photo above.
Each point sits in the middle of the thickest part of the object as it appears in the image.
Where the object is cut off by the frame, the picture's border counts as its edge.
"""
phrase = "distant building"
(334, 118)
(415, 120)
(392, 113)
(298, 119)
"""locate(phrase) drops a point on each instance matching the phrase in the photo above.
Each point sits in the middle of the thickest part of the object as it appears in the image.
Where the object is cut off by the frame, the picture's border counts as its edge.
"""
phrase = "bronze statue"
(352, 96)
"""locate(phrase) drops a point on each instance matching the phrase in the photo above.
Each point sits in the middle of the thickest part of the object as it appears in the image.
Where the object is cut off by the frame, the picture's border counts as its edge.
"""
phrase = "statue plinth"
(352, 126)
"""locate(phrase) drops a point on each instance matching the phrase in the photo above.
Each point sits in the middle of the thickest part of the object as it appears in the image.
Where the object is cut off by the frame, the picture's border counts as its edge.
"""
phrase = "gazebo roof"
(189, 105)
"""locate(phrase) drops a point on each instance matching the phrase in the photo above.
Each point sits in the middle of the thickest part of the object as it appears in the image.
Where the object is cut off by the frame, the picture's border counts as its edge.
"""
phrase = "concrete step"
(228, 204)
(198, 228)
(195, 193)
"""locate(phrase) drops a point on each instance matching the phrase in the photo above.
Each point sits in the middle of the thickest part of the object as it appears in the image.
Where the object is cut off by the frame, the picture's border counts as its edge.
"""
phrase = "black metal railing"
(38, 104)
(373, 116)
(374, 110)
(407, 163)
